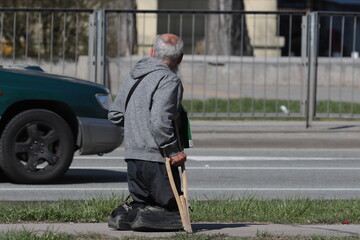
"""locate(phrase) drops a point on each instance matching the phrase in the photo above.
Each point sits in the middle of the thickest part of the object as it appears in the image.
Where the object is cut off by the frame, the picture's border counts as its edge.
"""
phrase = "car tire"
(37, 146)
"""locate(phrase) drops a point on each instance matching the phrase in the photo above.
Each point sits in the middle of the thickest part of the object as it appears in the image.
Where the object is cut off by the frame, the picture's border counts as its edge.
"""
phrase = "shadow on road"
(215, 226)
(82, 176)
(76, 176)
(343, 127)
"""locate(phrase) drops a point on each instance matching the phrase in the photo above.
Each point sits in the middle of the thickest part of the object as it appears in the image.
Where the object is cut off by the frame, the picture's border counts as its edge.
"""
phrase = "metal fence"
(334, 52)
(55, 39)
(236, 64)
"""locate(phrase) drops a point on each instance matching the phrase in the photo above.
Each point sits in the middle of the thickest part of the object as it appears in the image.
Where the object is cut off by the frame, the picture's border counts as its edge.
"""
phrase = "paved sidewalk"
(232, 229)
(237, 126)
(275, 134)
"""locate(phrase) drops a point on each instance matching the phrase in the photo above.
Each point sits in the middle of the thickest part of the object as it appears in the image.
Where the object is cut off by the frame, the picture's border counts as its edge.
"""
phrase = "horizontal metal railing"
(337, 82)
(220, 77)
(236, 63)
(51, 38)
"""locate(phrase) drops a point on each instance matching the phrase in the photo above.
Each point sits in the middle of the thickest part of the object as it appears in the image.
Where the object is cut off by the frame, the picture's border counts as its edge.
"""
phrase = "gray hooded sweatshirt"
(148, 120)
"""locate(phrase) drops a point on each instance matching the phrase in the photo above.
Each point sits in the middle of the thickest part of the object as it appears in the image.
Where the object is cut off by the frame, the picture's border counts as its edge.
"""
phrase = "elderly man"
(149, 135)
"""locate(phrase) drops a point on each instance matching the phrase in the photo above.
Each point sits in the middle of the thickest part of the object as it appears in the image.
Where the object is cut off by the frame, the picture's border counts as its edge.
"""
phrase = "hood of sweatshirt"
(146, 66)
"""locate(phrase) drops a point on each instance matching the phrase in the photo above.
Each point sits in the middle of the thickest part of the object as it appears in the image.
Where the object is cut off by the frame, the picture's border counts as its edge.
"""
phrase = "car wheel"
(37, 146)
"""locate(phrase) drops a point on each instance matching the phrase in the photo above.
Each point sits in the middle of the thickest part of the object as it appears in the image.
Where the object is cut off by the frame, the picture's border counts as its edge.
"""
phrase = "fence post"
(312, 67)
(304, 62)
(91, 48)
(97, 47)
(100, 46)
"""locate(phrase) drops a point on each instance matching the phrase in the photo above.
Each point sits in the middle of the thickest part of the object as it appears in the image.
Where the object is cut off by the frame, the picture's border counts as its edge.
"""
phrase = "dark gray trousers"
(149, 183)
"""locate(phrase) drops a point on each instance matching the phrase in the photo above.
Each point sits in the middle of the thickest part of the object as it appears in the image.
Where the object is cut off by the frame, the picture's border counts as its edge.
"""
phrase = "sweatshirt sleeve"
(117, 110)
(164, 110)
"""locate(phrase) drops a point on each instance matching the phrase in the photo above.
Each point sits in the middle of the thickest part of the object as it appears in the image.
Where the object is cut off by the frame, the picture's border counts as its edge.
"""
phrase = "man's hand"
(178, 159)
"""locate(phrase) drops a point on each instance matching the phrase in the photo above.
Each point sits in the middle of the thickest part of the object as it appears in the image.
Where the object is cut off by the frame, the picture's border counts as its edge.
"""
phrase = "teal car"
(45, 118)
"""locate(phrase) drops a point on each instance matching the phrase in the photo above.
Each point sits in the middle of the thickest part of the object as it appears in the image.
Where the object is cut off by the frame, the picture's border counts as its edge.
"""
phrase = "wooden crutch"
(181, 200)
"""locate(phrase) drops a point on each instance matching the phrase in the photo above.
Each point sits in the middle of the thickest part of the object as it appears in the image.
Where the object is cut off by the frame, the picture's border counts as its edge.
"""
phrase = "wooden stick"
(184, 181)
(181, 201)
(185, 190)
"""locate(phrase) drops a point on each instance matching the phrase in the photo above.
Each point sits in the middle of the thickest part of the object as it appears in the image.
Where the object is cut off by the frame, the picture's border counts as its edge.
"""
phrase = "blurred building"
(282, 35)
(338, 31)
(170, 23)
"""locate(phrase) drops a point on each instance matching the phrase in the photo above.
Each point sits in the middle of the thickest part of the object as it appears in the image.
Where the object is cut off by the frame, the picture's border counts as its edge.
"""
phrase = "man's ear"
(152, 52)
(180, 59)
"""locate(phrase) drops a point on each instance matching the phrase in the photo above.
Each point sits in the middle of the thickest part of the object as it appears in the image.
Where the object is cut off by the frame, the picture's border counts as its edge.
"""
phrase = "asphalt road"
(270, 159)
(214, 173)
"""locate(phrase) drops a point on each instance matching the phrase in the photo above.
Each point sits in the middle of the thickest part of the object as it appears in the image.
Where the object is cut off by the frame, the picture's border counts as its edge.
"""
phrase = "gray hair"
(164, 50)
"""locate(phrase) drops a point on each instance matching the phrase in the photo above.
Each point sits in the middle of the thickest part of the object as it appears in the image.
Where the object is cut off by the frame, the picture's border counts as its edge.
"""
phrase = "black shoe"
(154, 218)
(119, 217)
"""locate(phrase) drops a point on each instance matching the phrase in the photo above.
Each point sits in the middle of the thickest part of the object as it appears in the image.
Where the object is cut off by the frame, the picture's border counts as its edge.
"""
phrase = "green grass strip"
(248, 209)
(93, 210)
(249, 105)
(244, 105)
(33, 235)
(301, 211)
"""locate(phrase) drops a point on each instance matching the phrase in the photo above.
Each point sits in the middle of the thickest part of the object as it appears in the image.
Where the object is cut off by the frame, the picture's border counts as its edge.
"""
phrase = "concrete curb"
(275, 134)
(225, 126)
(231, 229)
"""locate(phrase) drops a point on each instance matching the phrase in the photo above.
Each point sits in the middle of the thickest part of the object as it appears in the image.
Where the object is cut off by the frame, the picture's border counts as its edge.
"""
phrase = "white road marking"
(227, 168)
(63, 189)
(206, 167)
(274, 168)
(262, 158)
(98, 168)
(190, 189)
(234, 158)
(99, 157)
(274, 189)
